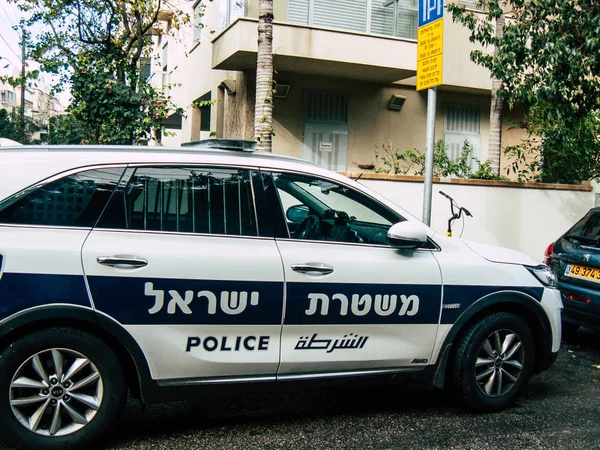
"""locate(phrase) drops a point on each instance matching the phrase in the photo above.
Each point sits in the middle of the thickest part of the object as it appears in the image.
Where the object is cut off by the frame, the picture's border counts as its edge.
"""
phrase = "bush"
(391, 160)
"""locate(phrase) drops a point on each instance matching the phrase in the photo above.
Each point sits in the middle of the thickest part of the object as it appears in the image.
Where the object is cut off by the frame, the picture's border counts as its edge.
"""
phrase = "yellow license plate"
(585, 273)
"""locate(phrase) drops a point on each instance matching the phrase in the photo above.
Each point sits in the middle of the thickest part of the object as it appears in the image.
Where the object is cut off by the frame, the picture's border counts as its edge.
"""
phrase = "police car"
(173, 273)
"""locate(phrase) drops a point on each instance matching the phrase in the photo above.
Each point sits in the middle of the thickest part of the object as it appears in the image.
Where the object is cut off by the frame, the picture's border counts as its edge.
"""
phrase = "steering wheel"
(308, 228)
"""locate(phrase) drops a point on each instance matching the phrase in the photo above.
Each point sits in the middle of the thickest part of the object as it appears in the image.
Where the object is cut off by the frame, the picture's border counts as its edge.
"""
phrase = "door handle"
(122, 262)
(312, 268)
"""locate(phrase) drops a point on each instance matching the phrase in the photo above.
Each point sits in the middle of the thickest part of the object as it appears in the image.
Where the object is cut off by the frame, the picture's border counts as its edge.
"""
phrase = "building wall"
(371, 123)
(524, 219)
(238, 109)
(192, 75)
(458, 69)
(512, 134)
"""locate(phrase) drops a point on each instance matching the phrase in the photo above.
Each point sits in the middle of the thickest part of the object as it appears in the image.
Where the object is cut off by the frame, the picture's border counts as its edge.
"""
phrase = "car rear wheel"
(493, 361)
(59, 388)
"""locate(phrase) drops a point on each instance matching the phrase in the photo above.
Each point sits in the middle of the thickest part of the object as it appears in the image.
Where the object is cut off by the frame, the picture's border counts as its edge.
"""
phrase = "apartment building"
(39, 106)
(345, 79)
(10, 97)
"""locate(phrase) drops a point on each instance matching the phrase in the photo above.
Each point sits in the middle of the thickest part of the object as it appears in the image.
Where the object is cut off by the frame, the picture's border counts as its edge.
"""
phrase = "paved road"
(560, 409)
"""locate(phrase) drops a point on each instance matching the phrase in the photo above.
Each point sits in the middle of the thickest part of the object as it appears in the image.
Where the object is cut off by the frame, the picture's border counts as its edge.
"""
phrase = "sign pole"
(430, 51)
(430, 144)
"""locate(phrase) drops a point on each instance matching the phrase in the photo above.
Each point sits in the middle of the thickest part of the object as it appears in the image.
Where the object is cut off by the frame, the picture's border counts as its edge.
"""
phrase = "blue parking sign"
(430, 10)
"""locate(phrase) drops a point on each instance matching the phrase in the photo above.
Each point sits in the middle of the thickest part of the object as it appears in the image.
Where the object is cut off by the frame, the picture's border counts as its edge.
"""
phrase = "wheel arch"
(518, 303)
(132, 360)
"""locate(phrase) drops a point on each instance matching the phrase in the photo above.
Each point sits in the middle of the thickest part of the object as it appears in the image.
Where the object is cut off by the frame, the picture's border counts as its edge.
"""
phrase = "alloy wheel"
(56, 392)
(499, 363)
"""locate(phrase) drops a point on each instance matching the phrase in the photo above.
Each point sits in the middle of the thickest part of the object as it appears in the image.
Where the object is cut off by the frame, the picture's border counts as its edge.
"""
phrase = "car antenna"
(358, 177)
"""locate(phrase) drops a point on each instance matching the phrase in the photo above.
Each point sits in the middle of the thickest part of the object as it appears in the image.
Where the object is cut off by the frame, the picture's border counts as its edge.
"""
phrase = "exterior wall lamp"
(396, 102)
(281, 90)
(228, 85)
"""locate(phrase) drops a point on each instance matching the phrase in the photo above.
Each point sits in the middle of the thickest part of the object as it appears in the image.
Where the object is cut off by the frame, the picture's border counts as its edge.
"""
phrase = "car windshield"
(587, 229)
(339, 198)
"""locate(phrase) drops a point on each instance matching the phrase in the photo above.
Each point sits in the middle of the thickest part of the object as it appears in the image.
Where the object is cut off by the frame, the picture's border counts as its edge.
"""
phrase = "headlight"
(544, 274)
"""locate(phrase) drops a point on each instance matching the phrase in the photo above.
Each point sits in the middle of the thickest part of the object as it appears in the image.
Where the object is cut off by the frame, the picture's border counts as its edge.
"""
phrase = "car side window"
(319, 209)
(186, 200)
(76, 200)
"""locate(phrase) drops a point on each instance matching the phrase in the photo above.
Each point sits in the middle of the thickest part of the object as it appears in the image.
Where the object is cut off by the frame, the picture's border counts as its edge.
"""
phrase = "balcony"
(397, 18)
(8, 98)
(318, 50)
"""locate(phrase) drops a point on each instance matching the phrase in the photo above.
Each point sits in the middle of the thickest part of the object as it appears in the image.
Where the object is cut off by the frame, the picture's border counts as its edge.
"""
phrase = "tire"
(488, 381)
(59, 388)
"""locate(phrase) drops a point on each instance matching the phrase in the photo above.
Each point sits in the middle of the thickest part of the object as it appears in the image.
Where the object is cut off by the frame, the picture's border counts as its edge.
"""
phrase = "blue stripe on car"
(184, 301)
(125, 299)
(19, 291)
(356, 304)
(467, 295)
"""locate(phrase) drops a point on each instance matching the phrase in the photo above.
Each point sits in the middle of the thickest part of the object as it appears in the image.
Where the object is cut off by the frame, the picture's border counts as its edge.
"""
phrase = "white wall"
(523, 219)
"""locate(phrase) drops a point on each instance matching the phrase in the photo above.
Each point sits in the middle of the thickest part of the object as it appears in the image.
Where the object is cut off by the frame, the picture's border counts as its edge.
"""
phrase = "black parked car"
(575, 259)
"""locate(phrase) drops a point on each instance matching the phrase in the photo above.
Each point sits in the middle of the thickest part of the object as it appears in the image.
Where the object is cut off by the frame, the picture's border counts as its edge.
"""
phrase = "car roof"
(40, 159)
(138, 153)
(23, 166)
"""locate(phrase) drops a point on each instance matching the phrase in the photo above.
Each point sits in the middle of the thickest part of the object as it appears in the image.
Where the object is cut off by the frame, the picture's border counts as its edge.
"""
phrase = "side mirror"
(297, 213)
(407, 235)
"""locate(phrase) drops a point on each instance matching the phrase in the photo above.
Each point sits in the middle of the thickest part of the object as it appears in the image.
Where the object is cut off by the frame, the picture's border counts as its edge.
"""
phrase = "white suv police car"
(173, 272)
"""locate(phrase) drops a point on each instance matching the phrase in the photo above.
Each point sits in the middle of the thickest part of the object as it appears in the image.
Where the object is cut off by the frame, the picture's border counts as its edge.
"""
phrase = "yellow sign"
(430, 49)
(429, 72)
(430, 40)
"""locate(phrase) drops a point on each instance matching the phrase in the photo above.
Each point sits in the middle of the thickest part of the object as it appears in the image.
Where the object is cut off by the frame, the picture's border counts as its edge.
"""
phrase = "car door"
(352, 301)
(177, 260)
(42, 230)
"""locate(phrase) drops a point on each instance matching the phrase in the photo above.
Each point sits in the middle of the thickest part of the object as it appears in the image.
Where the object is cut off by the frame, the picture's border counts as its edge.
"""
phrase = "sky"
(10, 45)
(10, 50)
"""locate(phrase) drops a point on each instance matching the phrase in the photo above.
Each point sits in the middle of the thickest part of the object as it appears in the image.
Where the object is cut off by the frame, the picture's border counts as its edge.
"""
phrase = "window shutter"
(408, 19)
(298, 11)
(342, 14)
(382, 17)
(462, 123)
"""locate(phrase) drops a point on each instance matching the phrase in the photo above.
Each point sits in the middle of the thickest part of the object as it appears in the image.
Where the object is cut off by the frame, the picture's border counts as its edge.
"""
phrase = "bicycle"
(455, 215)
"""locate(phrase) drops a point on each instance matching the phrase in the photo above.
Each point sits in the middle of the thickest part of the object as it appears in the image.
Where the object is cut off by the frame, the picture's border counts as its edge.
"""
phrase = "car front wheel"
(59, 388)
(493, 361)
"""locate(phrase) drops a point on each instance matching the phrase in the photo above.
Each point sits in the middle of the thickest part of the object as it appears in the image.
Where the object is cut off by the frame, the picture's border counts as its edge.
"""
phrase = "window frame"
(288, 237)
(464, 135)
(197, 24)
(370, 6)
(252, 170)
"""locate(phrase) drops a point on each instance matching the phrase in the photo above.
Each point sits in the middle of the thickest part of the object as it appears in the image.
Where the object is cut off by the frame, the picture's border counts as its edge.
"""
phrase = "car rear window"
(587, 227)
(72, 201)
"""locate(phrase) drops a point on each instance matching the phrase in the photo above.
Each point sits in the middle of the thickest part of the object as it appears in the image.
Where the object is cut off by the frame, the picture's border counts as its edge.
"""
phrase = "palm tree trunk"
(263, 112)
(495, 141)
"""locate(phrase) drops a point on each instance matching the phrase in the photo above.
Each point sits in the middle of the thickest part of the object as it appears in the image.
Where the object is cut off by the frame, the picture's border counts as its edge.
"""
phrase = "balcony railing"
(397, 18)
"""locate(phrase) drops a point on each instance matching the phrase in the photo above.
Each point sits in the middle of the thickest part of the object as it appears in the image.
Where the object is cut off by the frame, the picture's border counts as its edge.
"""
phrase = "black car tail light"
(548, 253)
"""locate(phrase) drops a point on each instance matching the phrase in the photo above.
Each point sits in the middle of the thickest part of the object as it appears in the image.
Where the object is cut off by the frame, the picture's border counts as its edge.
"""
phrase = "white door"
(352, 302)
(41, 235)
(176, 259)
(325, 139)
